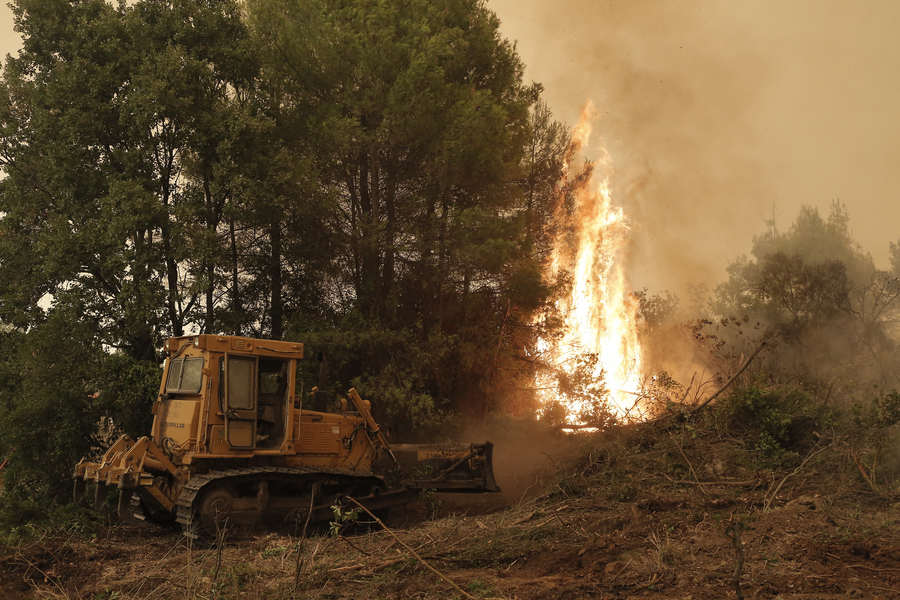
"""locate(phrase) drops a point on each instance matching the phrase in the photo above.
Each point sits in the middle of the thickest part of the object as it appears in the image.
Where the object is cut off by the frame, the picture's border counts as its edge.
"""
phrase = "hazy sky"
(717, 113)
(9, 39)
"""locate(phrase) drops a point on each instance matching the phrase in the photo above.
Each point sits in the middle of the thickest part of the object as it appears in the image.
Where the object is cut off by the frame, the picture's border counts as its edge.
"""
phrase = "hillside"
(640, 512)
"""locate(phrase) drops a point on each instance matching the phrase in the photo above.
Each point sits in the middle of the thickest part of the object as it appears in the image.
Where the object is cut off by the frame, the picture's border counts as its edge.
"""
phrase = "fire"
(599, 346)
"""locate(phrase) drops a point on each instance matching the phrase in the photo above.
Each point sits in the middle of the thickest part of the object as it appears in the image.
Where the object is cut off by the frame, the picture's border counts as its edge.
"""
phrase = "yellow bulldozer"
(233, 450)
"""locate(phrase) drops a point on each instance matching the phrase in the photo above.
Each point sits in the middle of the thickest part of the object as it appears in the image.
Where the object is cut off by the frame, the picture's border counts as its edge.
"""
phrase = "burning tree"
(596, 360)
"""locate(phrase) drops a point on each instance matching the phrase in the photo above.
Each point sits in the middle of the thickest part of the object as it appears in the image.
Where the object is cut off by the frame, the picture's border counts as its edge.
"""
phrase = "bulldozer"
(233, 451)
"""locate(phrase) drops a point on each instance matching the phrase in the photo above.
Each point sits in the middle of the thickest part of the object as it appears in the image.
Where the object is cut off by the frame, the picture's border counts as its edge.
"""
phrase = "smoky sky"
(720, 115)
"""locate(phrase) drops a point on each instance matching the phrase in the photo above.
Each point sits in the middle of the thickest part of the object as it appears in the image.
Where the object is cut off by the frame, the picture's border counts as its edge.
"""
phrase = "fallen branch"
(526, 518)
(690, 466)
(616, 576)
(687, 390)
(870, 481)
(792, 473)
(354, 546)
(413, 552)
(870, 568)
(54, 580)
(733, 531)
(695, 410)
(348, 568)
(733, 377)
(650, 582)
(298, 567)
(396, 561)
(749, 482)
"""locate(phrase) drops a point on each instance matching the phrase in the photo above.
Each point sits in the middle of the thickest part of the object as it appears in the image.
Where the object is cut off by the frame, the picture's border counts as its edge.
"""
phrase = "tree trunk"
(235, 279)
(276, 281)
(173, 302)
(387, 275)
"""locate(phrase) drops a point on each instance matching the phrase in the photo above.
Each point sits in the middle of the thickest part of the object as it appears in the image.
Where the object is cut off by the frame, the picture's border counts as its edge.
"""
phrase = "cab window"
(185, 375)
(241, 383)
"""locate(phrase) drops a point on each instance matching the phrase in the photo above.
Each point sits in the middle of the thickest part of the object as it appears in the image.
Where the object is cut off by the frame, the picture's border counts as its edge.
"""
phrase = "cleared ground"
(642, 513)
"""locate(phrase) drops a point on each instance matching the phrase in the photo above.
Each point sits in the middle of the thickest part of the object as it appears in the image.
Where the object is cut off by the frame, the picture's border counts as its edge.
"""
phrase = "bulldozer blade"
(124, 508)
(78, 493)
(100, 499)
(456, 468)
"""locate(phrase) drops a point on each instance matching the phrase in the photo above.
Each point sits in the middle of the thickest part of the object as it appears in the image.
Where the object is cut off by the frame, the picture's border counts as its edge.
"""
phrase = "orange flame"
(599, 312)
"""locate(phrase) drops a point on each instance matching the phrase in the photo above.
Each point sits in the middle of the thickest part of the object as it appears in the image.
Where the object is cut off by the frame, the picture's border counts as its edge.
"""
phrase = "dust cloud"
(526, 455)
(721, 115)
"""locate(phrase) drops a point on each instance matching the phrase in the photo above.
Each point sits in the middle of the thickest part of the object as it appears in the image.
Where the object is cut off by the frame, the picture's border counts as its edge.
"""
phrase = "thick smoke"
(719, 116)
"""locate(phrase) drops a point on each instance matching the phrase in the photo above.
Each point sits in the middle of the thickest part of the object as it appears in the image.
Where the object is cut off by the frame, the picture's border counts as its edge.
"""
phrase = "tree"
(370, 178)
(800, 277)
(547, 153)
(119, 127)
(118, 131)
(415, 118)
(820, 291)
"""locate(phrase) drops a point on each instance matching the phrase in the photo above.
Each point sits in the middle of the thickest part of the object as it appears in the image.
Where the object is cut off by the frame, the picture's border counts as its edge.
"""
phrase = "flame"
(599, 312)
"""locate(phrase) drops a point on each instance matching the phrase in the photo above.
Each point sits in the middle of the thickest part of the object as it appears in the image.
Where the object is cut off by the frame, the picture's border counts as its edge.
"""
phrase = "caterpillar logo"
(175, 425)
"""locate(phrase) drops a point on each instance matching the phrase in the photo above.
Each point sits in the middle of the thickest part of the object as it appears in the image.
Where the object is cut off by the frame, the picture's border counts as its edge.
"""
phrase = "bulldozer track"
(188, 509)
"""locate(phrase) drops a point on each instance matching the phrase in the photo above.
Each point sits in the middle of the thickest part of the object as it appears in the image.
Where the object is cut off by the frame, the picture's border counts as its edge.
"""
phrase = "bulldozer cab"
(227, 391)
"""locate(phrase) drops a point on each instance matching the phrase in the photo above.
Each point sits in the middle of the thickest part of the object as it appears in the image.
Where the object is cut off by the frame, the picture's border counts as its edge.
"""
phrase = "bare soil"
(639, 516)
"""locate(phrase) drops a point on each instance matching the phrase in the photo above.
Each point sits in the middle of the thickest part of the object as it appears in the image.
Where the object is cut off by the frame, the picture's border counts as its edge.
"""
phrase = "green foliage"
(481, 589)
(800, 276)
(554, 413)
(570, 486)
(24, 520)
(389, 367)
(343, 518)
(432, 502)
(127, 388)
(762, 410)
(818, 240)
(767, 415)
(796, 295)
(886, 409)
(48, 422)
(657, 310)
(62, 398)
(875, 418)
(818, 290)
(415, 114)
(117, 118)
(583, 394)
(874, 438)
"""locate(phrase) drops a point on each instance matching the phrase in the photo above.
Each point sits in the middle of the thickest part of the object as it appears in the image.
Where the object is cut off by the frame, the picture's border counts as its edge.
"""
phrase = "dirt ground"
(600, 519)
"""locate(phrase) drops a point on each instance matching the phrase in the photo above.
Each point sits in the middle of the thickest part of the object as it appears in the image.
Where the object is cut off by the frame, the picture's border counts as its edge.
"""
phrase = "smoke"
(526, 455)
(718, 116)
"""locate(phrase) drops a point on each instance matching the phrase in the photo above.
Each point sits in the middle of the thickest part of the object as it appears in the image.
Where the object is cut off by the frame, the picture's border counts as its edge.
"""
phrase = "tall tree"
(416, 118)
(116, 128)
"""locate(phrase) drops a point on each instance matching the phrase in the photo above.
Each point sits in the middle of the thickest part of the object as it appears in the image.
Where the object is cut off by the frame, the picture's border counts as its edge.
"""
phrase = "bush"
(768, 416)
